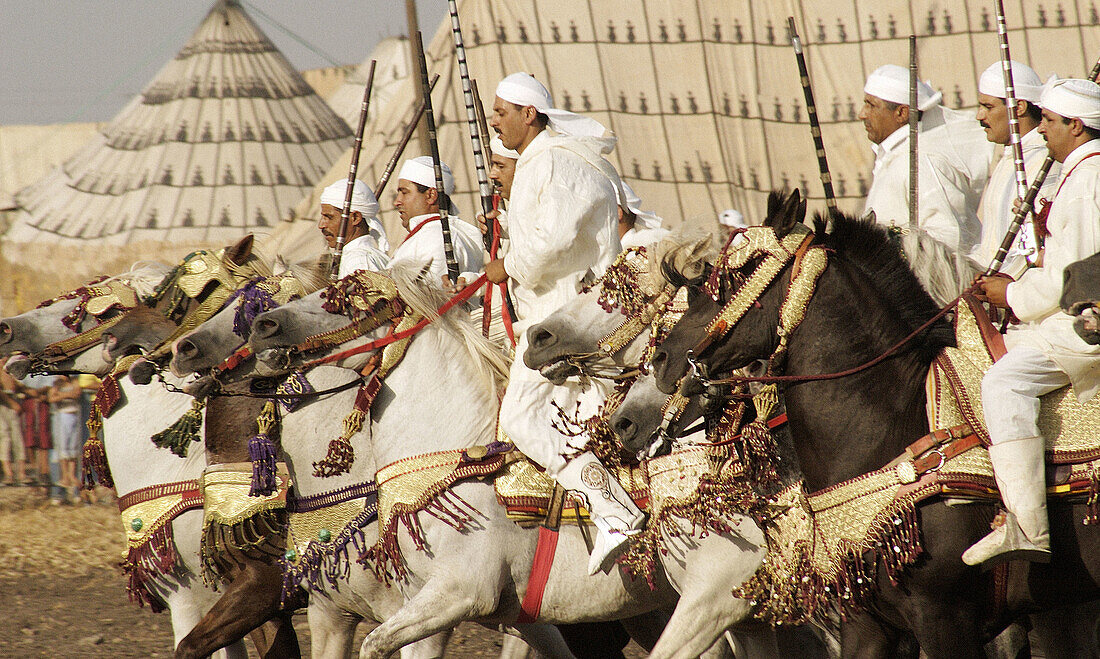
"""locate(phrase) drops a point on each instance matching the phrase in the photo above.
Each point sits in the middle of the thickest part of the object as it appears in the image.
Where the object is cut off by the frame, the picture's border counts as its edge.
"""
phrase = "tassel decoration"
(178, 437)
(95, 455)
(262, 453)
(341, 454)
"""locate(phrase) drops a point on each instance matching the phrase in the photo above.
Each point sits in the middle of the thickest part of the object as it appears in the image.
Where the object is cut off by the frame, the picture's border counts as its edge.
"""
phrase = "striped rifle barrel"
(815, 124)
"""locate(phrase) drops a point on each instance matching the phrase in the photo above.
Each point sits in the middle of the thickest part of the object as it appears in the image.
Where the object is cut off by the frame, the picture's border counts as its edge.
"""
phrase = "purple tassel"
(262, 452)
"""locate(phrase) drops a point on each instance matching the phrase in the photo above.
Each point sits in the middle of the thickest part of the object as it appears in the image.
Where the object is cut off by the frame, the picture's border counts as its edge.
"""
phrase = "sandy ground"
(65, 596)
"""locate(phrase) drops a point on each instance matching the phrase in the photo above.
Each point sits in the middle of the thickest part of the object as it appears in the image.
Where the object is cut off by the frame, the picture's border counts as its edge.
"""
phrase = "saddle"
(954, 398)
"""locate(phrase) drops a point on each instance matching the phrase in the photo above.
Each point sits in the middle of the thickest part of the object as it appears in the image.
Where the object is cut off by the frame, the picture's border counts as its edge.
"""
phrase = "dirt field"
(64, 595)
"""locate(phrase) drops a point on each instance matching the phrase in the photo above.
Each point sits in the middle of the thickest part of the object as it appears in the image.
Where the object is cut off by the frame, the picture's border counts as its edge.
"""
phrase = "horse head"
(1081, 297)
(56, 335)
(753, 335)
(606, 329)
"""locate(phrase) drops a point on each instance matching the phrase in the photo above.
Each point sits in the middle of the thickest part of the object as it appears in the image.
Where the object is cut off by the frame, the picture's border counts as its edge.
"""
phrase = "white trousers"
(529, 413)
(1011, 389)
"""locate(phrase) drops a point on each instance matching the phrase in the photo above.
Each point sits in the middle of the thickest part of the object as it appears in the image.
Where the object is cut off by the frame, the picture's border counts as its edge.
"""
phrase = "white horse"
(443, 395)
(134, 461)
(337, 607)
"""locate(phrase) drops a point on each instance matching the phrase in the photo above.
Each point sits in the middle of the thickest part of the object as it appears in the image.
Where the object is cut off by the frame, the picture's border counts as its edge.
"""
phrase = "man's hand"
(495, 272)
(453, 289)
(483, 221)
(994, 290)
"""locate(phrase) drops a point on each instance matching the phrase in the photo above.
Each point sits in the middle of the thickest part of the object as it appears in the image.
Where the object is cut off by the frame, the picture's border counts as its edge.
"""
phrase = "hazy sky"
(82, 60)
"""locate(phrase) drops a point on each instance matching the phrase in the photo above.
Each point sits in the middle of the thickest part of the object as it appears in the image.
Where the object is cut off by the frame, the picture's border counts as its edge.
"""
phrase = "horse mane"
(425, 299)
(868, 247)
(943, 272)
(143, 277)
(312, 273)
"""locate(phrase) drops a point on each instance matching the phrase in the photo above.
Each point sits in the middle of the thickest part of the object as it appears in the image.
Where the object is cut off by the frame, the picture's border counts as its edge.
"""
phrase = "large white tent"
(705, 95)
(226, 139)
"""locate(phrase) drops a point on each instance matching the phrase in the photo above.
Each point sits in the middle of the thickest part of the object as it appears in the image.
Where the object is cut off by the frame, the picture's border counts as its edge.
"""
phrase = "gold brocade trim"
(955, 383)
(407, 482)
(307, 528)
(225, 489)
(777, 253)
(150, 516)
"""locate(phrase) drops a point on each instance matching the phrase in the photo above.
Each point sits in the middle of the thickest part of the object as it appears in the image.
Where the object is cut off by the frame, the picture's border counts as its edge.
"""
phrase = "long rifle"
(409, 130)
(914, 111)
(815, 125)
(1030, 240)
(433, 143)
(345, 215)
(1028, 202)
(484, 188)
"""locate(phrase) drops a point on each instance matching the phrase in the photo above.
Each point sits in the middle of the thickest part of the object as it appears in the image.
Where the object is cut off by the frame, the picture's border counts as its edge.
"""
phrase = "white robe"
(361, 254)
(954, 160)
(427, 245)
(995, 210)
(636, 237)
(1074, 225)
(563, 233)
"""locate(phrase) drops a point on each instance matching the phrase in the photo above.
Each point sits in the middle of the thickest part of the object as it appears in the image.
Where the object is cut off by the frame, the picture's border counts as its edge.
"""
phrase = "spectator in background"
(35, 416)
(730, 220)
(64, 399)
(13, 456)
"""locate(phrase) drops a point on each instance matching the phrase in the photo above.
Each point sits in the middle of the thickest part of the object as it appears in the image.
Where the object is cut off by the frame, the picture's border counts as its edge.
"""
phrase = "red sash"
(419, 227)
(1045, 204)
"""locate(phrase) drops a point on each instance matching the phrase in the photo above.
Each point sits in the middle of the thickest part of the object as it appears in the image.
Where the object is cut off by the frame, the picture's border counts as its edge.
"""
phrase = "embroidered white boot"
(613, 512)
(1021, 477)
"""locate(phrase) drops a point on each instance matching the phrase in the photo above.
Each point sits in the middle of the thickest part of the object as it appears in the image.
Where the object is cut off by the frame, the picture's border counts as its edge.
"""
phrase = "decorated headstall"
(774, 255)
(105, 300)
(207, 278)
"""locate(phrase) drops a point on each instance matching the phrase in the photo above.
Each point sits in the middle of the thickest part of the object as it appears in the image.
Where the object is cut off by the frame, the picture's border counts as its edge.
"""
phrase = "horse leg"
(250, 599)
(276, 638)
(546, 640)
(440, 605)
(1067, 632)
(186, 612)
(862, 636)
(331, 630)
(646, 628)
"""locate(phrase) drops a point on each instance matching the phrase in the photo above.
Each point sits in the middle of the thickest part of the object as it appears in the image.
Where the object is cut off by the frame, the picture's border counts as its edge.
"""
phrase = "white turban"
(732, 218)
(497, 147)
(522, 89)
(362, 199)
(890, 82)
(633, 203)
(1025, 81)
(422, 170)
(1073, 98)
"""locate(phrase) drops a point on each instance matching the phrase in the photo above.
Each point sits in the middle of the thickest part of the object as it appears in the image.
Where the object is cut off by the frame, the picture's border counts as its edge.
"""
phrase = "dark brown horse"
(866, 301)
(1081, 297)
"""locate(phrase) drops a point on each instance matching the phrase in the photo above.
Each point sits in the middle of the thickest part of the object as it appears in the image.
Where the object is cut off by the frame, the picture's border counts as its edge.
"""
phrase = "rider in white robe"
(419, 210)
(953, 161)
(1044, 352)
(563, 234)
(366, 245)
(995, 210)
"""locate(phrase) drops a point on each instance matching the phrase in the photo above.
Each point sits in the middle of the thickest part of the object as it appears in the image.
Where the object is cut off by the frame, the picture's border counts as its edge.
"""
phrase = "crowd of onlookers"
(42, 433)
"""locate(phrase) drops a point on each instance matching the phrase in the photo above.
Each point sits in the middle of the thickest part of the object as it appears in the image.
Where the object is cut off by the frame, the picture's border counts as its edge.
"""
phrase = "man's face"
(329, 224)
(1059, 136)
(508, 121)
(501, 172)
(410, 202)
(879, 119)
(993, 116)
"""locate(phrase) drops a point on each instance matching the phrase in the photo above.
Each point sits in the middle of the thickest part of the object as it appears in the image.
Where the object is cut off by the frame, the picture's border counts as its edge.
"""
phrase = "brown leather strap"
(936, 459)
(555, 507)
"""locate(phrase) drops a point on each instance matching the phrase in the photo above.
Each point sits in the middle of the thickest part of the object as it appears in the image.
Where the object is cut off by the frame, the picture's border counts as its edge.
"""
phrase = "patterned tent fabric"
(225, 139)
(705, 95)
(394, 65)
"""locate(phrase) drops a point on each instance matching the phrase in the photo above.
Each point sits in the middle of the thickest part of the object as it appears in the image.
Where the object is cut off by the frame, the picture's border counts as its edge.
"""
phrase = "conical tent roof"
(225, 140)
(704, 95)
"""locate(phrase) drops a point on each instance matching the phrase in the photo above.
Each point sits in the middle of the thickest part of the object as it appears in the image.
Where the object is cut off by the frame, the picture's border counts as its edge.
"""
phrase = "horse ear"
(793, 211)
(672, 275)
(238, 253)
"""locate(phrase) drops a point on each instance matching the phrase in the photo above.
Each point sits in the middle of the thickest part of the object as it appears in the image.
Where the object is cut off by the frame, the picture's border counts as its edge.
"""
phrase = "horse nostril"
(542, 338)
(660, 357)
(5, 333)
(265, 328)
(187, 349)
(624, 429)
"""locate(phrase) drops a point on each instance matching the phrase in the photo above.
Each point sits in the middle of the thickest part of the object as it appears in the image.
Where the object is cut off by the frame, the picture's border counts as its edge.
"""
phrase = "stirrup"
(1006, 543)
